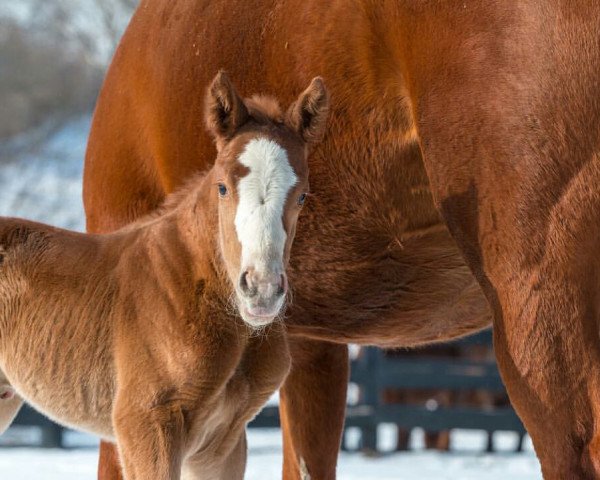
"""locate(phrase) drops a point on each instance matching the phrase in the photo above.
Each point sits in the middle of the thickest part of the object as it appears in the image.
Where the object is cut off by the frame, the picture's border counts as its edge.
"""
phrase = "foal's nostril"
(282, 285)
(264, 285)
(246, 285)
(244, 281)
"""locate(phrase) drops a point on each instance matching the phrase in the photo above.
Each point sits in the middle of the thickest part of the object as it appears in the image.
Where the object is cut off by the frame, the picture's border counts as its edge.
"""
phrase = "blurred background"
(433, 413)
(53, 55)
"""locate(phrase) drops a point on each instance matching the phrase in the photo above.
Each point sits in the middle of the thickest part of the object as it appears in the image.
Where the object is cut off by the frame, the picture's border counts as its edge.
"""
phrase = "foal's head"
(261, 180)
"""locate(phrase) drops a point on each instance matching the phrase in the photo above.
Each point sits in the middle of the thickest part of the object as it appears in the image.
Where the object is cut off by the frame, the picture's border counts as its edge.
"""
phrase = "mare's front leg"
(149, 436)
(313, 405)
(109, 467)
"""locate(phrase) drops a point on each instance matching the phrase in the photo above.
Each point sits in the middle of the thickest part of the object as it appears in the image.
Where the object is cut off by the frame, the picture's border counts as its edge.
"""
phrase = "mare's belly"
(372, 281)
(373, 262)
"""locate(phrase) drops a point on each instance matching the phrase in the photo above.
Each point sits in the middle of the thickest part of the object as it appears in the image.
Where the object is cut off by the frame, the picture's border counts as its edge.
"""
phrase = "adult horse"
(461, 158)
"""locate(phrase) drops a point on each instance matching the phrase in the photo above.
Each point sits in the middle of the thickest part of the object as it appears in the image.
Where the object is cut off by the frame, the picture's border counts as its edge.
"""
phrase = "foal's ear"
(308, 114)
(225, 111)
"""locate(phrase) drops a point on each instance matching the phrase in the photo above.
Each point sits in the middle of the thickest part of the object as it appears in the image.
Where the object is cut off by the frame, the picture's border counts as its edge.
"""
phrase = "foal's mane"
(173, 199)
(170, 202)
(264, 109)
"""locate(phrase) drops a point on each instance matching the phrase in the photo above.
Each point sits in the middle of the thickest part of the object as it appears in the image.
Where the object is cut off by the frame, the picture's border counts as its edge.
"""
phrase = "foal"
(132, 335)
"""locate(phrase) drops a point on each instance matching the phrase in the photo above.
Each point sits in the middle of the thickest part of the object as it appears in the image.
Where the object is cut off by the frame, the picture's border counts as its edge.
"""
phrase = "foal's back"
(56, 298)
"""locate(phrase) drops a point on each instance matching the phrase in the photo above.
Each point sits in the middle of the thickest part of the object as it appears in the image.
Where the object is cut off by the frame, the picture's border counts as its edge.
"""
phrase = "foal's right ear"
(225, 111)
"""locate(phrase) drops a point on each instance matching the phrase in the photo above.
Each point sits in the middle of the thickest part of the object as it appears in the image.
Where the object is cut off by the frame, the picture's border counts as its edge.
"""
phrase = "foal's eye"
(302, 199)
(222, 189)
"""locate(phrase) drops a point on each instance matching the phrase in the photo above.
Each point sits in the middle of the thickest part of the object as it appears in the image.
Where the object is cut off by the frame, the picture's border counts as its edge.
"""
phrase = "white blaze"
(262, 196)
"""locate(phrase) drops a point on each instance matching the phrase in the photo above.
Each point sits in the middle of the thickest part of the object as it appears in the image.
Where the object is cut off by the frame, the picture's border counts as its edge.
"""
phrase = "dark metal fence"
(52, 434)
(375, 372)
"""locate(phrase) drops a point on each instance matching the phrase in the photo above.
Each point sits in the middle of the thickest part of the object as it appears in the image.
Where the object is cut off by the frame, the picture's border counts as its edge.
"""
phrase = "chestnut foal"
(132, 335)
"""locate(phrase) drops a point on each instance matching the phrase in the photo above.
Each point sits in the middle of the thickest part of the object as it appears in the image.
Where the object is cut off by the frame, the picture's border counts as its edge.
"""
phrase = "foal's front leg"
(230, 467)
(150, 438)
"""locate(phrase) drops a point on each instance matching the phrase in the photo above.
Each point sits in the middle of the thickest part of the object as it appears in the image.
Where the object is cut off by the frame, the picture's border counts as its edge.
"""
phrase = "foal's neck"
(192, 215)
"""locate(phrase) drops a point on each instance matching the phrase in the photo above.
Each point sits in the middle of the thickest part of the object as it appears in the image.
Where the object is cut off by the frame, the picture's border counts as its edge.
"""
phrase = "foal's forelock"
(262, 196)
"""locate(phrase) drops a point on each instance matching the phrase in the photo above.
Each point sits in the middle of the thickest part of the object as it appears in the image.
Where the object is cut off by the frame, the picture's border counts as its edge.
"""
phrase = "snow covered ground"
(264, 461)
(45, 185)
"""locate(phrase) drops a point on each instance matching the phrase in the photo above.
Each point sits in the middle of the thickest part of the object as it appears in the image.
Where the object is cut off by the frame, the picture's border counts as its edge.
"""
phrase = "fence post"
(52, 436)
(370, 359)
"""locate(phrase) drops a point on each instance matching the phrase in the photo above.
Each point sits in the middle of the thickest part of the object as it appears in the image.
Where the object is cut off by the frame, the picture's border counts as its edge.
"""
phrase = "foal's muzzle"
(261, 295)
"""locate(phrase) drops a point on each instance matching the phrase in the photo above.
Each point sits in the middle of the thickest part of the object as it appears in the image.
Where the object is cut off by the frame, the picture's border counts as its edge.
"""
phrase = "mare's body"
(460, 166)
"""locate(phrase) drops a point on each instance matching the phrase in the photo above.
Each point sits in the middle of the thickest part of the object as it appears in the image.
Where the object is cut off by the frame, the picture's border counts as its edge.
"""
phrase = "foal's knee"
(150, 440)
(166, 418)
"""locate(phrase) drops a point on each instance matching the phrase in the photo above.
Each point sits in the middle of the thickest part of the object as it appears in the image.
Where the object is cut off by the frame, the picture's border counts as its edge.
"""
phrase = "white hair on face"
(262, 196)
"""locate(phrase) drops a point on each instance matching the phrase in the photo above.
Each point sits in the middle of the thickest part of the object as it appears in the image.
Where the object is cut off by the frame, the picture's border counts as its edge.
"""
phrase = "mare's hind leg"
(149, 439)
(537, 261)
(521, 199)
(546, 341)
(313, 404)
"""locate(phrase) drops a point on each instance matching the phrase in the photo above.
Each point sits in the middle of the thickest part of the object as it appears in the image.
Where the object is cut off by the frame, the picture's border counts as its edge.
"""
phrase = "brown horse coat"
(129, 337)
(132, 335)
(461, 158)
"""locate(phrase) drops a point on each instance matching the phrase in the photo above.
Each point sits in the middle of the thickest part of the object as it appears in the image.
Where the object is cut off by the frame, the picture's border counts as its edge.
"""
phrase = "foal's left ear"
(308, 114)
(225, 111)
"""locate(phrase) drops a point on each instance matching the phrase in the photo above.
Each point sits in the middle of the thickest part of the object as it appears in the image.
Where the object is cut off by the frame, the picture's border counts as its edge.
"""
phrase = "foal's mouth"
(260, 316)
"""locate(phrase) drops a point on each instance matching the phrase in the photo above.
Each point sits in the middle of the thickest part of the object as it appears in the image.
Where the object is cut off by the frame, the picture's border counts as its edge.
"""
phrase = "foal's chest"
(262, 369)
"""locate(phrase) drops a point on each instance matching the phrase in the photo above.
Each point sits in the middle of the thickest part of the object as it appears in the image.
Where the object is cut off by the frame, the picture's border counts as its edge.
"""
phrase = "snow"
(264, 461)
(45, 185)
(85, 18)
